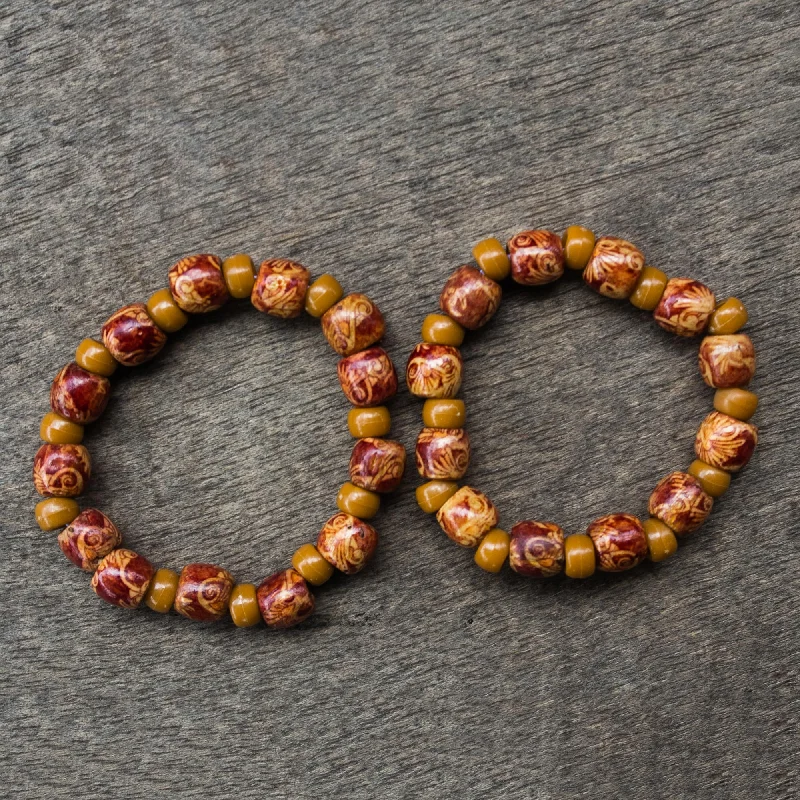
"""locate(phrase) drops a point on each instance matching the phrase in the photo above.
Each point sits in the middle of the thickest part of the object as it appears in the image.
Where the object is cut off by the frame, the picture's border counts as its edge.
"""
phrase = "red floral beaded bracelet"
(680, 502)
(136, 333)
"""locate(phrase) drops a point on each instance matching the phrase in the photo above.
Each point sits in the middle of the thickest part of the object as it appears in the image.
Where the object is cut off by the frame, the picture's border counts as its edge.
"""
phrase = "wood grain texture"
(380, 141)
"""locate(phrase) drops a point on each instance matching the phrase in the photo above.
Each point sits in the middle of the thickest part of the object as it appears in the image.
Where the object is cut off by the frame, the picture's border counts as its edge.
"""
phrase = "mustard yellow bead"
(243, 605)
(162, 590)
(57, 430)
(441, 329)
(579, 557)
(715, 482)
(55, 512)
(308, 561)
(239, 275)
(359, 502)
(649, 288)
(445, 413)
(323, 294)
(492, 552)
(95, 357)
(374, 421)
(490, 255)
(738, 403)
(431, 496)
(661, 541)
(164, 311)
(728, 317)
(578, 243)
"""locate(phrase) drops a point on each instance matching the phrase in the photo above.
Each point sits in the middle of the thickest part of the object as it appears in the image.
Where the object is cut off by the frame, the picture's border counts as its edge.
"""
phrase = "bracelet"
(136, 333)
(680, 502)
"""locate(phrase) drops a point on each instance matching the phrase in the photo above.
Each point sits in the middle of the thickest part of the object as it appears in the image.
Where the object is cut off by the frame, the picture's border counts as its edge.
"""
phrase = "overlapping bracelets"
(136, 333)
(680, 502)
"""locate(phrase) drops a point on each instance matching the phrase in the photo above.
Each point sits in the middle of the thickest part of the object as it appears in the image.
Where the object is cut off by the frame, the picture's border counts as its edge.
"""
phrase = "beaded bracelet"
(136, 333)
(680, 502)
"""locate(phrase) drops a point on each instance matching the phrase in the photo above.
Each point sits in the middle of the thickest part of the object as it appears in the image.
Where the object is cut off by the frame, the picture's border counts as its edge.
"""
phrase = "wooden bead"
(89, 538)
(203, 592)
(131, 336)
(55, 512)
(243, 605)
(94, 356)
(661, 541)
(470, 297)
(442, 453)
(363, 422)
(649, 289)
(492, 552)
(434, 370)
(685, 307)
(737, 403)
(536, 549)
(57, 430)
(280, 289)
(619, 541)
(715, 482)
(322, 295)
(578, 243)
(491, 257)
(727, 361)
(377, 464)
(359, 502)
(197, 283)
(680, 502)
(579, 557)
(61, 470)
(467, 516)
(614, 267)
(239, 275)
(431, 496)
(440, 329)
(161, 593)
(347, 542)
(444, 413)
(308, 561)
(353, 324)
(284, 599)
(367, 378)
(164, 311)
(728, 317)
(79, 395)
(725, 442)
(537, 257)
(122, 578)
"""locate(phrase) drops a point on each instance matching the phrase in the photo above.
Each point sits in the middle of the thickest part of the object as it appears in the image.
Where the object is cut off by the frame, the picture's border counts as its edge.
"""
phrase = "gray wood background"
(379, 141)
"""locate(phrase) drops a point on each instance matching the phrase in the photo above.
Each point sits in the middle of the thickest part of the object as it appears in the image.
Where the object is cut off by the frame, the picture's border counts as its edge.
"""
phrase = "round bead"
(284, 599)
(619, 541)
(715, 482)
(680, 502)
(203, 592)
(537, 257)
(161, 593)
(363, 422)
(89, 538)
(57, 430)
(55, 512)
(434, 370)
(164, 311)
(685, 307)
(367, 378)
(536, 549)
(347, 542)
(444, 413)
(61, 470)
(579, 558)
(308, 561)
(737, 403)
(353, 324)
(442, 453)
(728, 317)
(79, 395)
(727, 361)
(359, 502)
(94, 356)
(243, 605)
(467, 516)
(614, 267)
(197, 283)
(122, 578)
(131, 336)
(492, 552)
(649, 289)
(578, 243)
(239, 275)
(725, 442)
(470, 297)
(491, 257)
(431, 496)
(280, 289)
(377, 464)
(322, 294)
(440, 329)
(661, 541)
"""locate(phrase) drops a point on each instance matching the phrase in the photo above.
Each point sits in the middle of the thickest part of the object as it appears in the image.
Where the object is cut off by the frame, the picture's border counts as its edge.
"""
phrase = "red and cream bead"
(470, 297)
(61, 470)
(680, 502)
(434, 371)
(377, 464)
(725, 442)
(368, 378)
(131, 336)
(79, 395)
(122, 578)
(347, 542)
(537, 257)
(203, 592)
(727, 361)
(614, 267)
(536, 549)
(284, 599)
(197, 283)
(88, 539)
(685, 307)
(619, 541)
(354, 323)
(280, 288)
(442, 453)
(467, 516)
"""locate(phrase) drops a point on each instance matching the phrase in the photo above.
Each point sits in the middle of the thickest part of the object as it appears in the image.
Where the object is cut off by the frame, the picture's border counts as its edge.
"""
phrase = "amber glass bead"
(467, 516)
(431, 496)
(308, 561)
(492, 552)
(367, 378)
(239, 279)
(377, 464)
(725, 442)
(685, 307)
(164, 311)
(727, 361)
(79, 395)
(284, 599)
(680, 502)
(442, 453)
(715, 482)
(347, 542)
(243, 605)
(88, 539)
(57, 430)
(728, 317)
(353, 324)
(55, 512)
(738, 403)
(661, 541)
(470, 297)
(61, 470)
(434, 370)
(444, 413)
(322, 294)
(122, 578)
(280, 288)
(441, 329)
(579, 557)
(131, 336)
(363, 422)
(649, 288)
(203, 592)
(536, 549)
(359, 502)
(161, 593)
(614, 267)
(619, 541)
(578, 243)
(95, 357)
(490, 255)
(537, 257)
(197, 283)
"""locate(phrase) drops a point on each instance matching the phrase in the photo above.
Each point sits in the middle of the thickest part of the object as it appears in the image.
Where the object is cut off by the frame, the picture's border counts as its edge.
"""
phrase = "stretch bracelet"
(679, 503)
(136, 333)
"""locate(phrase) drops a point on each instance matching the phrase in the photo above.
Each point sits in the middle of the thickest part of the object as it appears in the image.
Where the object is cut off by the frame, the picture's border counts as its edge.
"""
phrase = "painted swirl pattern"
(377, 464)
(470, 298)
(614, 267)
(280, 288)
(685, 307)
(353, 324)
(680, 502)
(79, 395)
(727, 361)
(537, 257)
(619, 541)
(536, 549)
(434, 371)
(442, 453)
(725, 442)
(122, 578)
(203, 592)
(367, 378)
(467, 516)
(88, 539)
(284, 599)
(131, 336)
(197, 283)
(61, 470)
(347, 542)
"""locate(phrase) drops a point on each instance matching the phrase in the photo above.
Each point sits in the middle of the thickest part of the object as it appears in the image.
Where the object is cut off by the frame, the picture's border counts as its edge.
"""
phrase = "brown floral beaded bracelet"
(136, 333)
(680, 502)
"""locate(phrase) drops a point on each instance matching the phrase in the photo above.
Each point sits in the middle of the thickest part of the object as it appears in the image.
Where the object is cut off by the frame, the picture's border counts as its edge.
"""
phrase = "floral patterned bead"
(377, 464)
(470, 297)
(367, 378)
(619, 540)
(614, 267)
(280, 288)
(353, 324)
(467, 516)
(198, 284)
(727, 361)
(284, 599)
(680, 502)
(203, 592)
(725, 442)
(88, 539)
(536, 549)
(131, 336)
(685, 307)
(442, 453)
(434, 370)
(61, 470)
(537, 257)
(122, 578)
(347, 542)
(79, 395)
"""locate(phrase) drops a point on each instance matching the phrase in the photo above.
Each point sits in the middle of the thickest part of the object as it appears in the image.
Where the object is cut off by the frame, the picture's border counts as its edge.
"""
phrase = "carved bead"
(203, 592)
(614, 267)
(353, 324)
(725, 442)
(727, 361)
(61, 470)
(537, 257)
(442, 453)
(619, 540)
(680, 502)
(536, 549)
(131, 336)
(685, 307)
(467, 516)
(89, 538)
(470, 297)
(79, 395)
(284, 599)
(434, 370)
(377, 464)
(122, 578)
(280, 288)
(347, 542)
(367, 378)
(198, 284)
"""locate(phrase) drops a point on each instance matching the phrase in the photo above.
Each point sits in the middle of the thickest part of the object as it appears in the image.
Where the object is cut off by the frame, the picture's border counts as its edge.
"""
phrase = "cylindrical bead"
(619, 541)
(354, 323)
(614, 267)
(491, 257)
(89, 538)
(203, 592)
(161, 593)
(61, 470)
(715, 482)
(685, 307)
(79, 395)
(367, 378)
(578, 243)
(492, 552)
(363, 422)
(55, 512)
(359, 502)
(131, 336)
(122, 578)
(95, 357)
(441, 329)
(431, 496)
(536, 549)
(649, 288)
(322, 295)
(727, 361)
(537, 257)
(444, 413)
(308, 561)
(470, 297)
(434, 370)
(467, 516)
(280, 288)
(579, 557)
(377, 464)
(347, 542)
(728, 317)
(165, 312)
(442, 453)
(661, 541)
(738, 403)
(725, 442)
(197, 283)
(243, 605)
(680, 502)
(240, 278)
(284, 599)
(57, 430)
